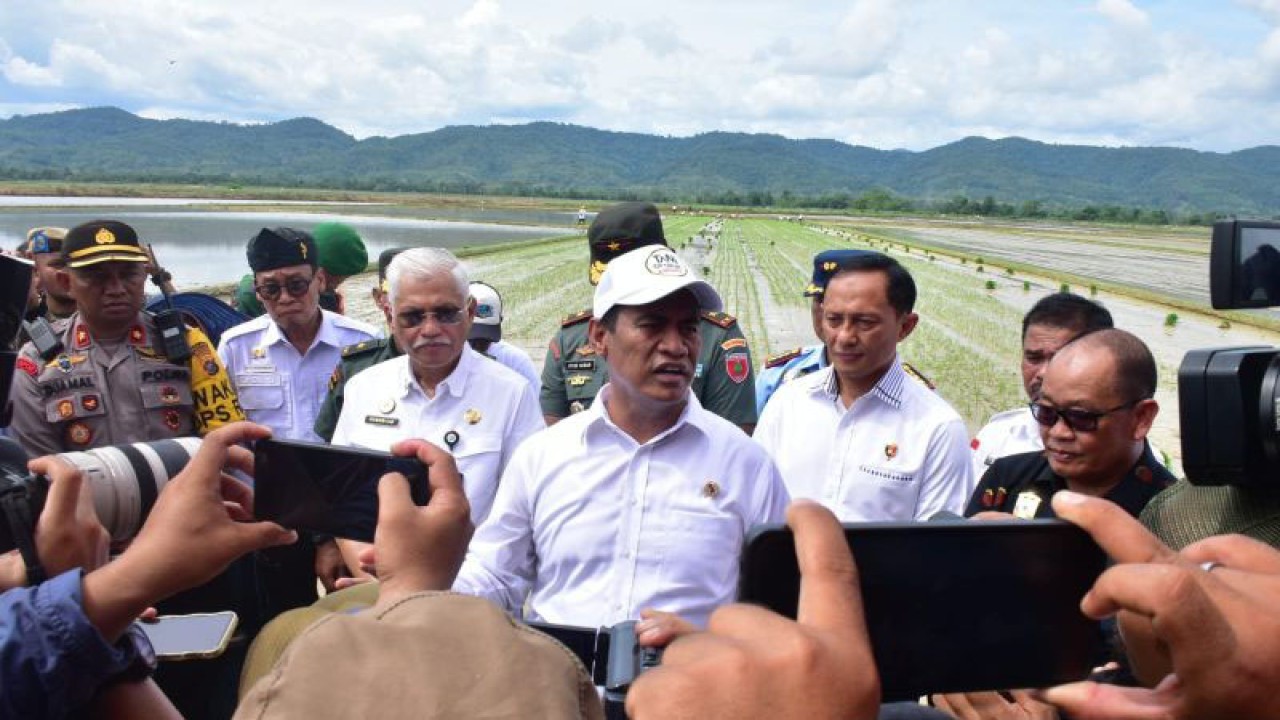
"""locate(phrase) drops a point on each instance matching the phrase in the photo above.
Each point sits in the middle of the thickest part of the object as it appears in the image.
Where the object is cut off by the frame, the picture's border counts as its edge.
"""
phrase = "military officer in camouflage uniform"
(359, 356)
(111, 383)
(572, 373)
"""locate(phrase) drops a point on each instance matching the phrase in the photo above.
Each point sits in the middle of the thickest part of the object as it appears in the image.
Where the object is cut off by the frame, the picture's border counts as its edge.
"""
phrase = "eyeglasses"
(295, 286)
(442, 316)
(1077, 420)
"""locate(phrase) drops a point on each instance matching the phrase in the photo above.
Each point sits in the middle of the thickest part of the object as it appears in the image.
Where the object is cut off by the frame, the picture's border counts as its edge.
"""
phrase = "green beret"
(247, 298)
(281, 247)
(342, 252)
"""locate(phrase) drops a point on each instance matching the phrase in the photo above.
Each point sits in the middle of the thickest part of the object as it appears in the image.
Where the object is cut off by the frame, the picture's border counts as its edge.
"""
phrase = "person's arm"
(501, 562)
(946, 477)
(730, 392)
(327, 419)
(753, 663)
(29, 426)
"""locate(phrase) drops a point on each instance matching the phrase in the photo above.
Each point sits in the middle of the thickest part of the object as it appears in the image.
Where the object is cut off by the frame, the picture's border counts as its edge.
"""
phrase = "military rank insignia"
(137, 335)
(82, 337)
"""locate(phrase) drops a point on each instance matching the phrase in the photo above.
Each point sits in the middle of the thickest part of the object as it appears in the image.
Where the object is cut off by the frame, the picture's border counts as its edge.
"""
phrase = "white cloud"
(1123, 13)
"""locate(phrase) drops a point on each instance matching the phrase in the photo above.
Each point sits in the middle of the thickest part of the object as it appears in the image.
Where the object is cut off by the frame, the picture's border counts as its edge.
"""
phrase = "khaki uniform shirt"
(86, 398)
(722, 380)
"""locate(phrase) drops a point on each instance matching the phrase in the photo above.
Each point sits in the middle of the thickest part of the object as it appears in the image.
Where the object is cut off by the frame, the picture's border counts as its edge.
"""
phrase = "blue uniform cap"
(826, 264)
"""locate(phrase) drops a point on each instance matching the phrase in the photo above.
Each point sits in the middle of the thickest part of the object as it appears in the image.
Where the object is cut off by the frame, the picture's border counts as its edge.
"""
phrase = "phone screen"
(326, 489)
(182, 637)
(956, 606)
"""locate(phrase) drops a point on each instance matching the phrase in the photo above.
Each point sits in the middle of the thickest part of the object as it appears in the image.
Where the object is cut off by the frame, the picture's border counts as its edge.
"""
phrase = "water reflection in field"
(201, 247)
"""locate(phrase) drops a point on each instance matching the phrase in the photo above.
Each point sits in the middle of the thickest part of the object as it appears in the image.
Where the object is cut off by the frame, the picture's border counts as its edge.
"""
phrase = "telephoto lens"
(125, 481)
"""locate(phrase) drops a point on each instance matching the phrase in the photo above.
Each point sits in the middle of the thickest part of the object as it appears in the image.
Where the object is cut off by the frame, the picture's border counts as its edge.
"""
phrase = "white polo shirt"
(277, 386)
(480, 413)
(899, 452)
(595, 527)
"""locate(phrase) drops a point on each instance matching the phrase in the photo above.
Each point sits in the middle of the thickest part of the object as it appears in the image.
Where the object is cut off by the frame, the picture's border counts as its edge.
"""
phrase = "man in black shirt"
(1095, 409)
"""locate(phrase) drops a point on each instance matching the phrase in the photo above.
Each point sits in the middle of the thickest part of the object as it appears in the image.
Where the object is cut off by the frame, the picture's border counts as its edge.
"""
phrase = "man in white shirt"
(1051, 323)
(859, 436)
(280, 363)
(641, 501)
(486, 335)
(440, 390)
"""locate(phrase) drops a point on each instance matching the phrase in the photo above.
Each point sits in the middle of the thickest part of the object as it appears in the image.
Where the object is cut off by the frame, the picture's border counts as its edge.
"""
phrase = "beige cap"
(430, 655)
(648, 274)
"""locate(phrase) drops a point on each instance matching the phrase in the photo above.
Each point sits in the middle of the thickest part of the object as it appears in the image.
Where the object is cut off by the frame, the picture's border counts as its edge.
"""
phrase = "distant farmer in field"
(859, 436)
(342, 254)
(1050, 324)
(573, 373)
(801, 361)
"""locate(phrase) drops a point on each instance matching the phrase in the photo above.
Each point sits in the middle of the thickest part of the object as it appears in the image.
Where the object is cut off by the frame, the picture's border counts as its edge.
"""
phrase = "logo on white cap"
(662, 261)
(484, 311)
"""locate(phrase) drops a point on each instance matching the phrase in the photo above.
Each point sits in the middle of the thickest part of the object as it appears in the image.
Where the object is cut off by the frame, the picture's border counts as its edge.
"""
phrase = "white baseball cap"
(488, 321)
(648, 274)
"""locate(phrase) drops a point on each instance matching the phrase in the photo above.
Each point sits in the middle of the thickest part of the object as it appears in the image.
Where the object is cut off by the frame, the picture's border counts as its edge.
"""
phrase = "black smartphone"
(956, 606)
(327, 489)
(190, 637)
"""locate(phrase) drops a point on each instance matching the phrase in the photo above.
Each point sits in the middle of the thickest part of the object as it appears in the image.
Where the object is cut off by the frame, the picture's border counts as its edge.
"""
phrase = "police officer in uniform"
(112, 382)
(572, 373)
(801, 361)
(361, 355)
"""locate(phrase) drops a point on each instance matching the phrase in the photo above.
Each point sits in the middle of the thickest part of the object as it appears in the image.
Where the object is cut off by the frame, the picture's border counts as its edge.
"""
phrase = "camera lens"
(126, 479)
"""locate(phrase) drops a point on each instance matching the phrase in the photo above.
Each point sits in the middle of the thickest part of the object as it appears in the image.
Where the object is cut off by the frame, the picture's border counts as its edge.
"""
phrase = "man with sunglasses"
(280, 363)
(440, 390)
(1095, 407)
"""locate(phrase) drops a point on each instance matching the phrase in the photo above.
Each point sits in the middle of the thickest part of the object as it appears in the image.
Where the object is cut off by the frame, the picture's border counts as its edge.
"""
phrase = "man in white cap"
(486, 335)
(642, 500)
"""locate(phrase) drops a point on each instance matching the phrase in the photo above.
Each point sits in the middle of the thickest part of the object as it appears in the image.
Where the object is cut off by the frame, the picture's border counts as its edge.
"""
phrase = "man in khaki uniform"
(111, 383)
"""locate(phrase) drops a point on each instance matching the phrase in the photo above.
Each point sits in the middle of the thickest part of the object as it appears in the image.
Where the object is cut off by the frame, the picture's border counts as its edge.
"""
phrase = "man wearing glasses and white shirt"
(440, 390)
(280, 362)
(642, 500)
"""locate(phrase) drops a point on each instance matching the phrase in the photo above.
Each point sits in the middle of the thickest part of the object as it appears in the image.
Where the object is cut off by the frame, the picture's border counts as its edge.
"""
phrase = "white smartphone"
(198, 636)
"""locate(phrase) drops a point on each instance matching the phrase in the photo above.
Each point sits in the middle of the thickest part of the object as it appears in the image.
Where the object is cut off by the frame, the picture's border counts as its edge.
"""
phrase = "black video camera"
(612, 655)
(1229, 398)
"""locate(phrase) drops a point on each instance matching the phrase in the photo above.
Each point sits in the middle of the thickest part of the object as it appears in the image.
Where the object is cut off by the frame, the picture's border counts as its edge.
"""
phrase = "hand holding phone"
(190, 637)
(322, 488)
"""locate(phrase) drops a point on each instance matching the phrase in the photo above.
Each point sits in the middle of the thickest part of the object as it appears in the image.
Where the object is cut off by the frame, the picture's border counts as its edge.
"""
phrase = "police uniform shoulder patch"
(363, 347)
(576, 318)
(28, 366)
(724, 320)
(918, 376)
(783, 358)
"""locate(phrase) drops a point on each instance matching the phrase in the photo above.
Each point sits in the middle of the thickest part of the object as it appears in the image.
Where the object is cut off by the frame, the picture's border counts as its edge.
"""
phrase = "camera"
(1228, 397)
(125, 480)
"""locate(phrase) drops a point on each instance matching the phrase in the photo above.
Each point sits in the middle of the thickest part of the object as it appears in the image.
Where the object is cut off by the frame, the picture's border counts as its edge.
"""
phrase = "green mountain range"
(567, 160)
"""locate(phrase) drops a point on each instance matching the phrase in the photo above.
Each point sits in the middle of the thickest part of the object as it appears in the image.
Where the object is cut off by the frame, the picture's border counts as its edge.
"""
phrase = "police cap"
(101, 241)
(826, 264)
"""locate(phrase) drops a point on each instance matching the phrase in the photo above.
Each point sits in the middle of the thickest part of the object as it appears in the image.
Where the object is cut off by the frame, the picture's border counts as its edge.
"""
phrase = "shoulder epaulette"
(724, 320)
(364, 346)
(918, 376)
(576, 318)
(782, 358)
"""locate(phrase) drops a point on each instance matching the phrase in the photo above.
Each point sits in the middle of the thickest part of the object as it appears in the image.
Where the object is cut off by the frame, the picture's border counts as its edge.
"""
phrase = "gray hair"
(421, 263)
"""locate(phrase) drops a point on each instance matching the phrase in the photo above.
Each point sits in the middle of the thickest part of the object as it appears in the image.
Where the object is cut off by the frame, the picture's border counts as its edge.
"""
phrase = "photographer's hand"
(68, 534)
(753, 663)
(420, 548)
(1216, 628)
(201, 522)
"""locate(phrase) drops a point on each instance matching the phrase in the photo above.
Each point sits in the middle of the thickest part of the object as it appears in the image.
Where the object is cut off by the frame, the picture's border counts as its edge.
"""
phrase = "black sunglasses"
(295, 286)
(443, 316)
(1078, 420)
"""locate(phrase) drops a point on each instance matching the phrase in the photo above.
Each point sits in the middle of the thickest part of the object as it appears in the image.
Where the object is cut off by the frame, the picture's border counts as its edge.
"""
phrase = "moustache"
(426, 342)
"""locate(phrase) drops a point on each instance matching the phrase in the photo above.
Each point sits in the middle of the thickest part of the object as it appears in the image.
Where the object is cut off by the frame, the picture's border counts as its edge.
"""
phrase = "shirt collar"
(328, 333)
(454, 384)
(1132, 492)
(81, 338)
(888, 388)
(600, 422)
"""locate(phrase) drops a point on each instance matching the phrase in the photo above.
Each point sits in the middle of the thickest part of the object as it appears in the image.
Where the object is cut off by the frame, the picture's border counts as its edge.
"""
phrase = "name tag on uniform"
(580, 365)
(1026, 505)
(258, 379)
(381, 420)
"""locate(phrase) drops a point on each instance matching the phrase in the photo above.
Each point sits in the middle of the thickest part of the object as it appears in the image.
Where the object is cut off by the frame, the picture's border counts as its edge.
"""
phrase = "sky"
(911, 74)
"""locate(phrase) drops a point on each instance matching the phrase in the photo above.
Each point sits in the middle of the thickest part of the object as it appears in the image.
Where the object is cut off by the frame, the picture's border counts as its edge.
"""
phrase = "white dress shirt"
(595, 527)
(485, 409)
(277, 386)
(898, 453)
(517, 359)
